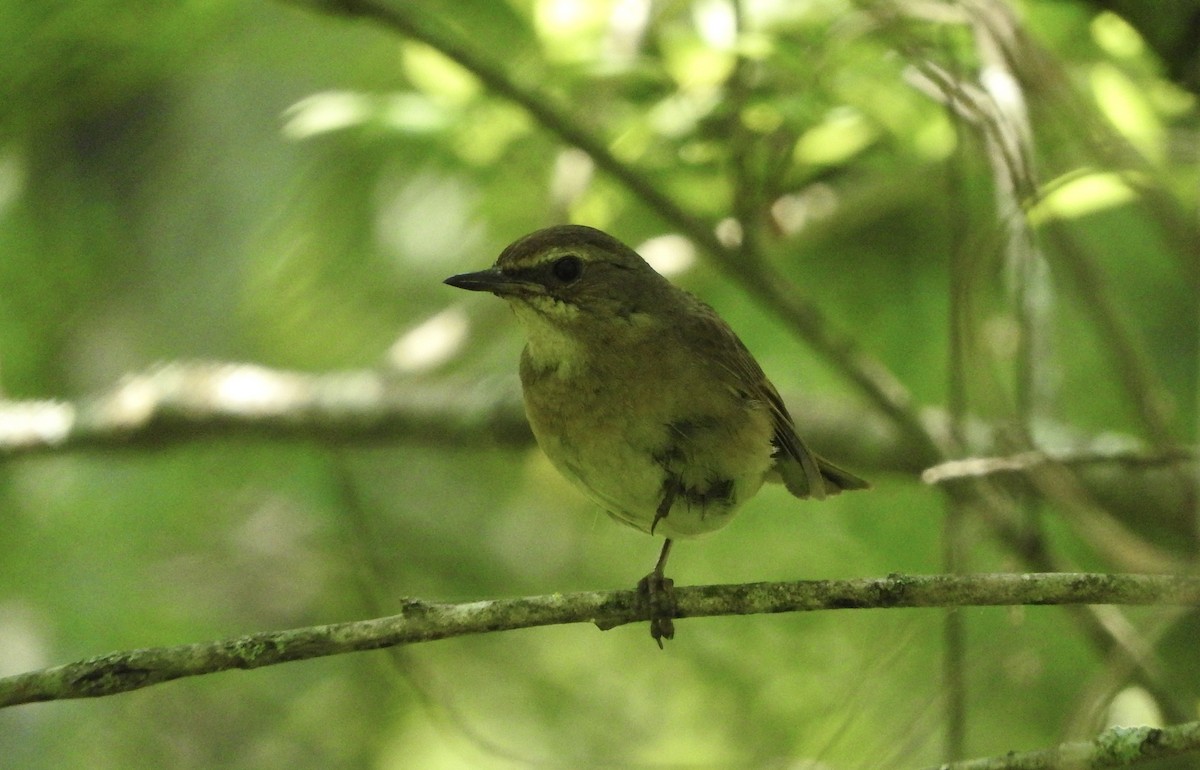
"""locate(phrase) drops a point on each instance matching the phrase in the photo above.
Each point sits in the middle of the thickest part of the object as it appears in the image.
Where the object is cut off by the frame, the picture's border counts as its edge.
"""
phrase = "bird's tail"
(800, 475)
(839, 479)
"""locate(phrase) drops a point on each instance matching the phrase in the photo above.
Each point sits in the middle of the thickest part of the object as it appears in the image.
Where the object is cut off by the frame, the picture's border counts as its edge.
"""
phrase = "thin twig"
(1057, 480)
(421, 621)
(955, 546)
(1023, 462)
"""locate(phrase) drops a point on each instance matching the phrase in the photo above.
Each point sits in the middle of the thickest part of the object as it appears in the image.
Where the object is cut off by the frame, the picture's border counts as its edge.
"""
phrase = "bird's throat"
(550, 347)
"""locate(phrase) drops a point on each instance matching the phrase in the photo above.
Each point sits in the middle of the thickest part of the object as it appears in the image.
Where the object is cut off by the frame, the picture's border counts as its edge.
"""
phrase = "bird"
(642, 396)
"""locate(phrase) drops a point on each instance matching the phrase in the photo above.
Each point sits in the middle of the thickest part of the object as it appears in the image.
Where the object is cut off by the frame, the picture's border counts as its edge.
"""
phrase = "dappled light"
(243, 421)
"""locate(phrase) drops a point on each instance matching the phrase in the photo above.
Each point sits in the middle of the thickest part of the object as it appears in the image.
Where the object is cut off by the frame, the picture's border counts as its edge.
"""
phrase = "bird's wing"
(804, 473)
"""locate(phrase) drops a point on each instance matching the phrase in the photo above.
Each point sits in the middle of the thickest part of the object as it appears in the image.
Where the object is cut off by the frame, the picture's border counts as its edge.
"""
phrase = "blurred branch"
(744, 265)
(1105, 627)
(186, 401)
(995, 106)
(1056, 478)
(1115, 747)
(421, 621)
(1118, 670)
(1028, 64)
(976, 467)
(1003, 119)
(993, 102)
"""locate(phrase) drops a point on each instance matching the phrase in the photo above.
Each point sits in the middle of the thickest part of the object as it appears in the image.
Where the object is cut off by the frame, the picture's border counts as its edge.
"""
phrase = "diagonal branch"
(421, 621)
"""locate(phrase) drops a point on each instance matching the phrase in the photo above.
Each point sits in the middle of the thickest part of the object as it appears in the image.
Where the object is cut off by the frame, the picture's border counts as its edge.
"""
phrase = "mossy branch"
(1115, 747)
(421, 621)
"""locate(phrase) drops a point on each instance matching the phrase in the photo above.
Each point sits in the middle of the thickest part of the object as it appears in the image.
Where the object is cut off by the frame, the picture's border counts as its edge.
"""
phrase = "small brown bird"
(642, 396)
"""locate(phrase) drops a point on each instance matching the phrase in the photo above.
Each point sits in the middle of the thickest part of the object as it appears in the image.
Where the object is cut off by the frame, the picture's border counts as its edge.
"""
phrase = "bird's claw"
(659, 592)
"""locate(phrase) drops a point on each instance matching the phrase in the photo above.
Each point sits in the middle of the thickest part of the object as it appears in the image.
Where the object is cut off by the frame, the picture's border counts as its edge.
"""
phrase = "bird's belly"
(624, 459)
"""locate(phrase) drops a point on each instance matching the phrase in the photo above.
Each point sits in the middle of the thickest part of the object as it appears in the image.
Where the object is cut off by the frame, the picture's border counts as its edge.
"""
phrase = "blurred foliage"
(266, 182)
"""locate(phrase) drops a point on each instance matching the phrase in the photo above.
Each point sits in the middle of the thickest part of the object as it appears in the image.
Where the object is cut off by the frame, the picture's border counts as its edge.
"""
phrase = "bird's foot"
(659, 592)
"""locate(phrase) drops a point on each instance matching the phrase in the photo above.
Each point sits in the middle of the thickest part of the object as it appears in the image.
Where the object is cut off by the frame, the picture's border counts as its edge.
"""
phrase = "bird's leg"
(659, 591)
(657, 587)
(670, 488)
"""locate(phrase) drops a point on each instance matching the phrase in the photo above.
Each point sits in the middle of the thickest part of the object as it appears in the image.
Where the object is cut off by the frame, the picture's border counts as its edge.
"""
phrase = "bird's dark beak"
(494, 281)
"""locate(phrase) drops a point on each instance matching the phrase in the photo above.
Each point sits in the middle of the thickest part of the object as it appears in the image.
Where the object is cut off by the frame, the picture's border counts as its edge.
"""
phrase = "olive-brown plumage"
(641, 395)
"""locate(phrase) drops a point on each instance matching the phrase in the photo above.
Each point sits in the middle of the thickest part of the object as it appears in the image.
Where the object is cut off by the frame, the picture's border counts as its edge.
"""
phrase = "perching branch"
(1115, 747)
(421, 621)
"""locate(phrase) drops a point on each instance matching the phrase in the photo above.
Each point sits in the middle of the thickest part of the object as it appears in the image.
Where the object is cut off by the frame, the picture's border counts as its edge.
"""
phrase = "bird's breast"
(626, 427)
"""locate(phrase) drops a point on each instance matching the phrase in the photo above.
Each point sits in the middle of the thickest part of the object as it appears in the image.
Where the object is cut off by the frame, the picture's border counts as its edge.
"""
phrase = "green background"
(287, 185)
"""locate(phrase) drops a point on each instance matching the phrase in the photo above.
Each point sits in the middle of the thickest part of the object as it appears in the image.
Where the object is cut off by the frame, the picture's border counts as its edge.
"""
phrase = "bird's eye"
(567, 269)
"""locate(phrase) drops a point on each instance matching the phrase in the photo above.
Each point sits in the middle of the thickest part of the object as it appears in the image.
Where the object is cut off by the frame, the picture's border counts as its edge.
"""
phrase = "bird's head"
(572, 279)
